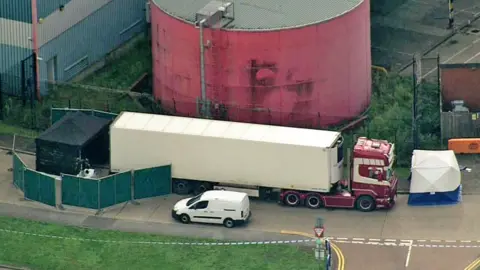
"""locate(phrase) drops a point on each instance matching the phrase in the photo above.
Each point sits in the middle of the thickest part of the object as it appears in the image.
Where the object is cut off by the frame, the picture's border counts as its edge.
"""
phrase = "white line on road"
(451, 57)
(409, 253)
(473, 57)
(358, 239)
(409, 245)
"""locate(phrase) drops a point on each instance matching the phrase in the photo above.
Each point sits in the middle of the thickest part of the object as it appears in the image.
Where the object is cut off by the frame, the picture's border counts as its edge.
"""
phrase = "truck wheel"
(185, 219)
(181, 187)
(313, 201)
(229, 223)
(202, 187)
(365, 204)
(292, 199)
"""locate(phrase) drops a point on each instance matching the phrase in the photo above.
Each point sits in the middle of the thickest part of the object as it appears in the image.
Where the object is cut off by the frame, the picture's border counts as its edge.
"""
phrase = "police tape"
(237, 243)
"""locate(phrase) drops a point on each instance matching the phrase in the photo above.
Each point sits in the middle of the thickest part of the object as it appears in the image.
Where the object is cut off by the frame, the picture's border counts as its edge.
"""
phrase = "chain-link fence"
(38, 117)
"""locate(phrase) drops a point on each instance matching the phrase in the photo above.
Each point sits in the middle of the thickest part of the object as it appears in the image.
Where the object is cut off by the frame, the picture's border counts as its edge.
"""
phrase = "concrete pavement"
(463, 47)
(376, 257)
(415, 26)
(458, 222)
(359, 235)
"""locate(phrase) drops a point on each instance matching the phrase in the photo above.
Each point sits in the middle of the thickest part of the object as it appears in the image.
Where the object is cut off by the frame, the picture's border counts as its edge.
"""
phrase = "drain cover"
(475, 31)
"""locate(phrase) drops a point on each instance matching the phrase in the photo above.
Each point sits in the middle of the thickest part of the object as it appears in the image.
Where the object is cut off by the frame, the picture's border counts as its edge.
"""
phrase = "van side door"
(201, 213)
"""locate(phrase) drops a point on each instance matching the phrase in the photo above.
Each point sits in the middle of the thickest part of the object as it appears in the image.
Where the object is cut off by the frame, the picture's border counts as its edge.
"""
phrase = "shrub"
(390, 115)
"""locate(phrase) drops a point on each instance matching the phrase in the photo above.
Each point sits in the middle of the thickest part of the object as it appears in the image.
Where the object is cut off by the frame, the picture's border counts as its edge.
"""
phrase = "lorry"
(296, 166)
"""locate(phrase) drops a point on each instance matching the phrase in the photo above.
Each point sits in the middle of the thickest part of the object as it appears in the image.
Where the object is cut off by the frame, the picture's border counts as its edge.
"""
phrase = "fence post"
(132, 184)
(23, 180)
(13, 142)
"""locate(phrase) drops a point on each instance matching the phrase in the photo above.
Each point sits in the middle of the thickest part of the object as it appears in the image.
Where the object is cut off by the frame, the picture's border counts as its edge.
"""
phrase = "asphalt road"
(380, 257)
(463, 47)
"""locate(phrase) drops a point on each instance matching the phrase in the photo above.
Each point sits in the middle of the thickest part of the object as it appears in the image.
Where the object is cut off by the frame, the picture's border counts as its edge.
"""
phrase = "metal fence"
(91, 193)
(57, 113)
(460, 125)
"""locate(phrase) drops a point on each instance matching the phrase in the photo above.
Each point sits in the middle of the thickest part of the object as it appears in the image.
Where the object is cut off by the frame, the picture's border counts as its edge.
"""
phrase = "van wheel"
(185, 219)
(313, 201)
(181, 187)
(365, 203)
(292, 198)
(229, 223)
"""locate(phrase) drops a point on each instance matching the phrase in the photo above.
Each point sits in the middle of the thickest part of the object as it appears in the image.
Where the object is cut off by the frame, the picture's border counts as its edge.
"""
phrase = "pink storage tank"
(293, 63)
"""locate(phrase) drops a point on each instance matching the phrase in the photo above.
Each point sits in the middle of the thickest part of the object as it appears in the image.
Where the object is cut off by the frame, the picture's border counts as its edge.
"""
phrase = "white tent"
(435, 178)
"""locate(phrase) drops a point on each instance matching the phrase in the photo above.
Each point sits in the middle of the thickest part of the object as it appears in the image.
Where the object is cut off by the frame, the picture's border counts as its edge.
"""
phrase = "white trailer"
(228, 153)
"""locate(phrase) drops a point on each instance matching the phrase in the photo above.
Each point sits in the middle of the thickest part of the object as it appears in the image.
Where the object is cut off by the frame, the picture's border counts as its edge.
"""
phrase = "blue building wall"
(15, 31)
(92, 38)
(17, 10)
(80, 35)
(47, 7)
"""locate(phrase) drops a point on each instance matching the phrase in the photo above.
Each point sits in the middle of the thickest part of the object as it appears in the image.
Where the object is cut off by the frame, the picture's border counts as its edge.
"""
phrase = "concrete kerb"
(438, 44)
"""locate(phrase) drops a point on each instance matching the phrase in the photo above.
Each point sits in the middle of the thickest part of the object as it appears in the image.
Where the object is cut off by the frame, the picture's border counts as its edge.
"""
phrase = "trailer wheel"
(229, 223)
(184, 218)
(202, 187)
(181, 187)
(313, 201)
(365, 203)
(292, 198)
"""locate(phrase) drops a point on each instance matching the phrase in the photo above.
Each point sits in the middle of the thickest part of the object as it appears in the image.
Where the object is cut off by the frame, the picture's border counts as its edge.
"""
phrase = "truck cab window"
(201, 205)
(340, 150)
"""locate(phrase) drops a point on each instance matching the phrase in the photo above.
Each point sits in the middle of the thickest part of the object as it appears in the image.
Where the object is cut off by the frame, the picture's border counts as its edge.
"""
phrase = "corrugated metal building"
(15, 45)
(69, 35)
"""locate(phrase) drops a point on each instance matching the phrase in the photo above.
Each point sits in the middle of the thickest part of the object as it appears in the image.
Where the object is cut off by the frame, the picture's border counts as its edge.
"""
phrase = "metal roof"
(266, 14)
(223, 195)
(226, 130)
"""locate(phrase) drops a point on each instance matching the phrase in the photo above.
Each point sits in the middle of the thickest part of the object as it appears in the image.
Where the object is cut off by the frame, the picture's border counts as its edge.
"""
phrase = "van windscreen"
(194, 199)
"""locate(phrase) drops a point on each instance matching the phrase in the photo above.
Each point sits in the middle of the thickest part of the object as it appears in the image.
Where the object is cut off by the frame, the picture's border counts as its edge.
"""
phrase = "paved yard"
(415, 26)
(376, 257)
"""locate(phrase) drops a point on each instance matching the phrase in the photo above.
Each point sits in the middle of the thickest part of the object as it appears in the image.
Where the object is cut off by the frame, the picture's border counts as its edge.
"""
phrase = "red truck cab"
(371, 183)
(371, 174)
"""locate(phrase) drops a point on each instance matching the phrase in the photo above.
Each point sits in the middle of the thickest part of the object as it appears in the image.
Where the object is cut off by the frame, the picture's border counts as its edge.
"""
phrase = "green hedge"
(390, 116)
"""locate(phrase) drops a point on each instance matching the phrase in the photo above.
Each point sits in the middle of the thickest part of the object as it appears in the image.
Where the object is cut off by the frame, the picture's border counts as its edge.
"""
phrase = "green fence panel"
(105, 115)
(115, 189)
(107, 191)
(39, 187)
(152, 182)
(18, 172)
(82, 192)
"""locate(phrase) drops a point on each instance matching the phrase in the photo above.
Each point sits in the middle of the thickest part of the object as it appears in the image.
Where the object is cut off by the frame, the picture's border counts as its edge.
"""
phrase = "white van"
(229, 208)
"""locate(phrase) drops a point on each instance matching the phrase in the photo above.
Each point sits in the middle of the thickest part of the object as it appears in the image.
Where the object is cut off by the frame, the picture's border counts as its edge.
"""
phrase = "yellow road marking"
(473, 265)
(340, 257)
(336, 249)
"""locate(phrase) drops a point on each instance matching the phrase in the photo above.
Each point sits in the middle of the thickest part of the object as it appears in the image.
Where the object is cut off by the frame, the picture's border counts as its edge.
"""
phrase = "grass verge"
(122, 72)
(40, 252)
(10, 130)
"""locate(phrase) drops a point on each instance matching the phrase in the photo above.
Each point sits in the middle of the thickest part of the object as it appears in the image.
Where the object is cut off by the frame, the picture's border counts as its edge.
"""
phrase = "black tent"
(75, 137)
